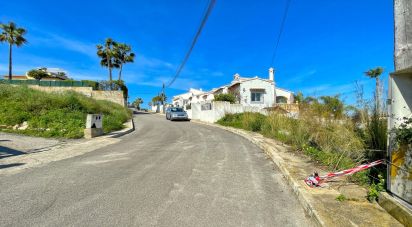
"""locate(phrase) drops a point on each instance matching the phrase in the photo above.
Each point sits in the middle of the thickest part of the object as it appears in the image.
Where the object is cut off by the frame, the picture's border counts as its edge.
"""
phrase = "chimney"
(271, 74)
(236, 76)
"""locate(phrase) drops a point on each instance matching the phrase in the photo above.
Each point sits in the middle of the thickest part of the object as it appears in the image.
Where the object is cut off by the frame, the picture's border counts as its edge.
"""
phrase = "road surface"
(163, 174)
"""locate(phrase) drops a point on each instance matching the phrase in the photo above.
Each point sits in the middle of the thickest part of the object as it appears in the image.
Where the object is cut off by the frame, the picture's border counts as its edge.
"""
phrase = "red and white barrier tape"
(315, 180)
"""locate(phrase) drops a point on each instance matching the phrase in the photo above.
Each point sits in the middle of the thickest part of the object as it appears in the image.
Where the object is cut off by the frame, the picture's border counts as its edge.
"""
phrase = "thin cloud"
(333, 89)
(301, 77)
(64, 42)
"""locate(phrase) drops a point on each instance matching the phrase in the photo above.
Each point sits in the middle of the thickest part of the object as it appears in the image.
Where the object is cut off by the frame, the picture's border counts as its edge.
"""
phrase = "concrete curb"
(395, 208)
(129, 128)
(297, 189)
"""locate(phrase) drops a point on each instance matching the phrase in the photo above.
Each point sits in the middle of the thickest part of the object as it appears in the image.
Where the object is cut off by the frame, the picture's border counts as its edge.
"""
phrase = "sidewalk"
(319, 203)
(58, 150)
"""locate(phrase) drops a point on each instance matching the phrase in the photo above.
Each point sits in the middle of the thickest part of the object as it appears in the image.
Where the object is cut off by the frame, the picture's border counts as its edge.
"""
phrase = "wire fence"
(50, 83)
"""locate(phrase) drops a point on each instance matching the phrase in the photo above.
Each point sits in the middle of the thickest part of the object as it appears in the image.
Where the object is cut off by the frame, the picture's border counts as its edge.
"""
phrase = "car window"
(176, 110)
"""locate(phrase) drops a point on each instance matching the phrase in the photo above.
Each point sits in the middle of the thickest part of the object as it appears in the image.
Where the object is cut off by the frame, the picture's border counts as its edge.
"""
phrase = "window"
(176, 110)
(256, 97)
(281, 99)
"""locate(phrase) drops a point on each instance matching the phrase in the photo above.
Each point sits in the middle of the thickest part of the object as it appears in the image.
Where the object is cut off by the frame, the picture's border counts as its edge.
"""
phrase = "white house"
(249, 91)
(194, 95)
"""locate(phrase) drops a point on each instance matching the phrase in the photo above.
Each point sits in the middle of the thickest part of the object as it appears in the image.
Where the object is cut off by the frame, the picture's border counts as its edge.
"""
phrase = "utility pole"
(163, 97)
(400, 101)
(403, 34)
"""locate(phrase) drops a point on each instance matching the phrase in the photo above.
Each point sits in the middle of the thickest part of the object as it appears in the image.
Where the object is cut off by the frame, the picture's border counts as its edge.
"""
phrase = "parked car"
(176, 113)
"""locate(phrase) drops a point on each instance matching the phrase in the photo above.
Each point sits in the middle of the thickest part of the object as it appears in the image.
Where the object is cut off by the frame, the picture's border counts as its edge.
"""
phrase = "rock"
(23, 126)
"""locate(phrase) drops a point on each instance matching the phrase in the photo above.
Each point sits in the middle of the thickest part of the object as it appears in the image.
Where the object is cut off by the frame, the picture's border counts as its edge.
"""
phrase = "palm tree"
(137, 103)
(123, 56)
(107, 54)
(14, 36)
(375, 73)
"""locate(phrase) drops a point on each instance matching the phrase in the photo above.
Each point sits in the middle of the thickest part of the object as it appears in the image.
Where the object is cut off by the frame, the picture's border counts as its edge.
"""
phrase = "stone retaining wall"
(112, 96)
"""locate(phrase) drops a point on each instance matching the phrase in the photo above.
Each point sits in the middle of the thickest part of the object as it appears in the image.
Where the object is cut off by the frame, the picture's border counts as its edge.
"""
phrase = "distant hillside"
(62, 115)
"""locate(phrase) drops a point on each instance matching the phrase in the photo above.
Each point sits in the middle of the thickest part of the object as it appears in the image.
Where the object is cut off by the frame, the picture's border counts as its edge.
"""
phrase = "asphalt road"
(163, 174)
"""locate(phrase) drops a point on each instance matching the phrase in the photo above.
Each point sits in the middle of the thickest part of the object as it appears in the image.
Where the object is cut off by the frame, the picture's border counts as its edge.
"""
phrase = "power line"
(282, 25)
(202, 24)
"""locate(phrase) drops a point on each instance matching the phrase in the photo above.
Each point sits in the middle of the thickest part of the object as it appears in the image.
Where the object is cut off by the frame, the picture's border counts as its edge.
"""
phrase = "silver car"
(176, 113)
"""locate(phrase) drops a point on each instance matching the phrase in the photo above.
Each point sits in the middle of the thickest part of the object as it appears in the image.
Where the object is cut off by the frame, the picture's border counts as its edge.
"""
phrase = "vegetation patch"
(375, 189)
(225, 98)
(333, 134)
(60, 115)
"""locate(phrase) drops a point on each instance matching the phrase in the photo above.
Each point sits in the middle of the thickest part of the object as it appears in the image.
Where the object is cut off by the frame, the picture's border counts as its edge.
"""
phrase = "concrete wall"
(112, 96)
(219, 109)
(403, 34)
(87, 91)
(157, 108)
(400, 105)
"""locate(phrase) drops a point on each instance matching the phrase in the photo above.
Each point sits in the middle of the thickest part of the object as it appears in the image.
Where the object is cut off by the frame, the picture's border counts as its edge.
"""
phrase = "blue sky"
(325, 47)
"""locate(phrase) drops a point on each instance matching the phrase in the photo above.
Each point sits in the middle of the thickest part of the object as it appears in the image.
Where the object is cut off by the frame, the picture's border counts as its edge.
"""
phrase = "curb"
(395, 208)
(277, 160)
(122, 132)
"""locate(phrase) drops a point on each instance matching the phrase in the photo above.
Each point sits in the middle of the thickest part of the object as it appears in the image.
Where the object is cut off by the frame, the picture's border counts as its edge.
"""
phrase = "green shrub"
(37, 74)
(55, 114)
(225, 98)
(341, 198)
(375, 189)
(232, 120)
(253, 121)
(91, 83)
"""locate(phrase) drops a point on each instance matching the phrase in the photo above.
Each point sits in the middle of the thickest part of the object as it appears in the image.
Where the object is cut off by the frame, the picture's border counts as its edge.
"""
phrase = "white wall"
(400, 93)
(284, 93)
(400, 96)
(268, 96)
(219, 109)
(157, 108)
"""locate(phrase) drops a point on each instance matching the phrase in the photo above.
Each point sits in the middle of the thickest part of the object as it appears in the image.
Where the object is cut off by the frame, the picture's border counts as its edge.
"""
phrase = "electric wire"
(282, 26)
(194, 41)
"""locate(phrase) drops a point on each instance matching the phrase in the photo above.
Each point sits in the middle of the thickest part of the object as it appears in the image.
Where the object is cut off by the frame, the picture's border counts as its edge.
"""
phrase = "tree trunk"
(377, 95)
(10, 61)
(403, 34)
(109, 65)
(120, 71)
(110, 77)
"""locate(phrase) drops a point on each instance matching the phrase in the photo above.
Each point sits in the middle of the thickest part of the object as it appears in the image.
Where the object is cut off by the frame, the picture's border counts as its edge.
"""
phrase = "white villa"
(249, 91)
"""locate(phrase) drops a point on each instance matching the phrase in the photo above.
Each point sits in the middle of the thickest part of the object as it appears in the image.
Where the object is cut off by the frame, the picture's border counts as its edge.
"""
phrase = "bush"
(225, 98)
(232, 120)
(253, 121)
(375, 189)
(37, 74)
(91, 83)
(55, 114)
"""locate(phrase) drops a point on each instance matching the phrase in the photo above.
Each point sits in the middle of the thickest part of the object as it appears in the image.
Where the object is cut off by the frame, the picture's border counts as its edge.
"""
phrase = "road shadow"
(10, 165)
(6, 152)
(140, 112)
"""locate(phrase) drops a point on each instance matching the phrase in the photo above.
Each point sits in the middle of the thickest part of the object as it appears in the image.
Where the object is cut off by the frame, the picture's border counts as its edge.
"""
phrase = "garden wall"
(211, 112)
(112, 96)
